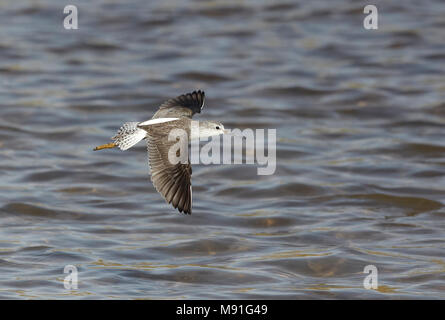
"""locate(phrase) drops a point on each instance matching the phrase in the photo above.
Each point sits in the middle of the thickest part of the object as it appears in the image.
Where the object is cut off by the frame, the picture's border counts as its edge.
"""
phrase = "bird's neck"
(195, 130)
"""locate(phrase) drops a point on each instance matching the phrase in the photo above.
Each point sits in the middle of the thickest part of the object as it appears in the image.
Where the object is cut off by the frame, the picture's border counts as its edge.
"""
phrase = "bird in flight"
(172, 179)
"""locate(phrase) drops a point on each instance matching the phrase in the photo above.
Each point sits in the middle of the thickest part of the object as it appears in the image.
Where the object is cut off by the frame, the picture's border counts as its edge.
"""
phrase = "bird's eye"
(217, 127)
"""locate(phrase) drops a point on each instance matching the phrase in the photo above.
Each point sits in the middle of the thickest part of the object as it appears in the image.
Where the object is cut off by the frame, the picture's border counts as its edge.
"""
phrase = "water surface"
(360, 171)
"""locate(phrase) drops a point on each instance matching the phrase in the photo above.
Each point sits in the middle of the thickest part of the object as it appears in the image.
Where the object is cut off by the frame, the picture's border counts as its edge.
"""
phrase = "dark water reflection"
(360, 153)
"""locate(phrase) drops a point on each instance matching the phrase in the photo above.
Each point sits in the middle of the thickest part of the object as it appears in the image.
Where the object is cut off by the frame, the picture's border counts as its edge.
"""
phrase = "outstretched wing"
(172, 181)
(185, 105)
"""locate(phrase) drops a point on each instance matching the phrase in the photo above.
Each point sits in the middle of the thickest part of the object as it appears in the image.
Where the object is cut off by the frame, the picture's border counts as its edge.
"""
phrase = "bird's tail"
(127, 136)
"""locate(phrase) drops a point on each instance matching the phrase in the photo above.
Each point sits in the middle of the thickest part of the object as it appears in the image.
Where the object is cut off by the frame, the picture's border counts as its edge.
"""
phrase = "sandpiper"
(171, 180)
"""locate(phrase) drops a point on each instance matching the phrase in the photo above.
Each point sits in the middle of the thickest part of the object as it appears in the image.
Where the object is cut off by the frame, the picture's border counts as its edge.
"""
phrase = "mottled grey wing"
(172, 181)
(185, 105)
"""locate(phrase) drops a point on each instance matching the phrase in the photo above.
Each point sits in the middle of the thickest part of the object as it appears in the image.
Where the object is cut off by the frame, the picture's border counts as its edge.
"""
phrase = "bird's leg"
(106, 146)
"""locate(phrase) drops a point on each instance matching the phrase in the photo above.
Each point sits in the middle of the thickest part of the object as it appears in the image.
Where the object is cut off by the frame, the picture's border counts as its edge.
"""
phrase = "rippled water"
(360, 119)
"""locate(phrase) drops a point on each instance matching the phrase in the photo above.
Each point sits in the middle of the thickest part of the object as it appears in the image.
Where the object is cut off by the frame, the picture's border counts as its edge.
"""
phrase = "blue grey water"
(360, 177)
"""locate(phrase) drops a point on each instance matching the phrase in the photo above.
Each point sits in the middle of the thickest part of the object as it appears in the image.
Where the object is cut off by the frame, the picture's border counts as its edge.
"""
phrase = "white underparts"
(155, 121)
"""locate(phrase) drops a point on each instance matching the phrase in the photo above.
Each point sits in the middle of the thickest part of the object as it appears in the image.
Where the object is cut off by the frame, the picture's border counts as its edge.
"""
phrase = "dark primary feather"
(185, 105)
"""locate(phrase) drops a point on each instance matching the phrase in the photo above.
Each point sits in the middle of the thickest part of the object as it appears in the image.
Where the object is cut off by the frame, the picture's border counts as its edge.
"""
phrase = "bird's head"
(211, 128)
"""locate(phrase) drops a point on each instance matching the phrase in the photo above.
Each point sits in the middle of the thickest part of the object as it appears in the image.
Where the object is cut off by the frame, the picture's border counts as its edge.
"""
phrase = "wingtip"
(199, 91)
(185, 211)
